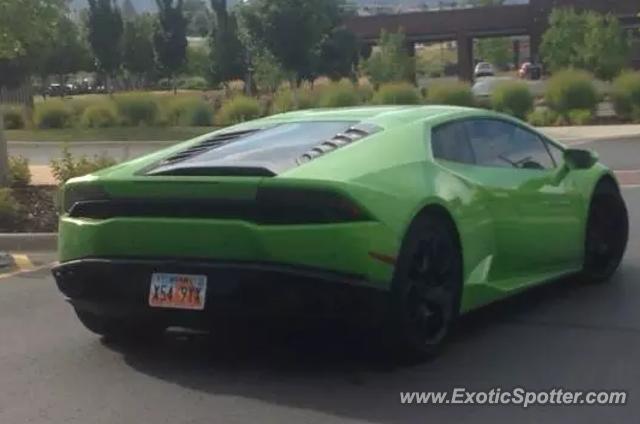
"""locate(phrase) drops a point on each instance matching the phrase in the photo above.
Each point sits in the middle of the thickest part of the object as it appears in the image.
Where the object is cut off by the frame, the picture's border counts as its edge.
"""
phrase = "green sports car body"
(337, 196)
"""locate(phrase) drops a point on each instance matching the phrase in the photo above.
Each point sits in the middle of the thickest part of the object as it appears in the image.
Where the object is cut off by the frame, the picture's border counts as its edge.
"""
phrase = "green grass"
(109, 134)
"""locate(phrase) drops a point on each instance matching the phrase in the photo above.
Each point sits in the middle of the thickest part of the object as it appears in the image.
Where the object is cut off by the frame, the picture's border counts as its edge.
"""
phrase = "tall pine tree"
(170, 39)
(105, 37)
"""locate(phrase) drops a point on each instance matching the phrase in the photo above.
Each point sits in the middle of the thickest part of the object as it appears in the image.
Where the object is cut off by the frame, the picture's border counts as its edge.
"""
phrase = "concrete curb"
(28, 242)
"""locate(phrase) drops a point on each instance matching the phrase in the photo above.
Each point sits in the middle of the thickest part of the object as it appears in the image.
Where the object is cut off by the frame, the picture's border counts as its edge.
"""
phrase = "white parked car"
(484, 69)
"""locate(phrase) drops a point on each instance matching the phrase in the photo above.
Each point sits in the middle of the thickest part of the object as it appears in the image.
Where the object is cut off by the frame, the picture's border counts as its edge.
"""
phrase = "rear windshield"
(275, 148)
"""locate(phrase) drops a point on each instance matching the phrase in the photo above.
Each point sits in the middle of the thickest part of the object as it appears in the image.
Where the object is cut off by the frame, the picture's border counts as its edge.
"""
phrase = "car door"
(535, 212)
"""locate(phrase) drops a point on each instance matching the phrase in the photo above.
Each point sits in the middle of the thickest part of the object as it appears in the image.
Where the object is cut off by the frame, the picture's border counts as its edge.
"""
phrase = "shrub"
(626, 95)
(68, 166)
(52, 114)
(10, 210)
(189, 111)
(286, 100)
(100, 115)
(571, 89)
(13, 118)
(580, 116)
(341, 94)
(137, 109)
(19, 172)
(514, 98)
(397, 93)
(543, 117)
(193, 83)
(450, 93)
(238, 109)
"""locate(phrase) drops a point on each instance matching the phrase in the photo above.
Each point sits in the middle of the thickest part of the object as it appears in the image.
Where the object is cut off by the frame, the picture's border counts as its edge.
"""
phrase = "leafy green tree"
(66, 52)
(268, 72)
(25, 26)
(170, 39)
(198, 61)
(199, 18)
(391, 61)
(497, 51)
(139, 60)
(228, 54)
(293, 30)
(607, 47)
(586, 40)
(339, 54)
(105, 36)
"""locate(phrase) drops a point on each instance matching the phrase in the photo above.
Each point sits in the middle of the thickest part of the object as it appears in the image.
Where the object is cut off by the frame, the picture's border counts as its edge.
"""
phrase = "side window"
(450, 142)
(502, 144)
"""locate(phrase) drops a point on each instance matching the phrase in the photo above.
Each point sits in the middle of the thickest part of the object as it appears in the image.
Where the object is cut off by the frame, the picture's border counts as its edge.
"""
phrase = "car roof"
(384, 116)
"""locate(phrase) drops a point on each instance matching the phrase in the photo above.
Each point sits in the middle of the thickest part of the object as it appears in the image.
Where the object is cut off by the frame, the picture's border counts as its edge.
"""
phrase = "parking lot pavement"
(564, 335)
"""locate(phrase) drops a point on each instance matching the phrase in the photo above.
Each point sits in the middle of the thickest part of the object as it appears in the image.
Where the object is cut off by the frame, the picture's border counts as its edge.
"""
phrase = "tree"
(228, 54)
(268, 73)
(170, 39)
(497, 51)
(293, 30)
(139, 60)
(26, 25)
(199, 18)
(66, 52)
(391, 61)
(128, 10)
(339, 54)
(586, 40)
(105, 36)
(607, 47)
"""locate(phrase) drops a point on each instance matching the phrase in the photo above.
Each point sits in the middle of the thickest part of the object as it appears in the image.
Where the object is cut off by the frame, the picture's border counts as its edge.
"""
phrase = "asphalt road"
(564, 335)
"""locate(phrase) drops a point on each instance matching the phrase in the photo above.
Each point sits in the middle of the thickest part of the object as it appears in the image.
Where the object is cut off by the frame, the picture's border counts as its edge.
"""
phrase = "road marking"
(26, 271)
(22, 262)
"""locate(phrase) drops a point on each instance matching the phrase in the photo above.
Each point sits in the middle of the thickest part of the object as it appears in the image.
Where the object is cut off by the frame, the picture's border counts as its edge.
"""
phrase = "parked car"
(484, 69)
(531, 71)
(483, 88)
(409, 216)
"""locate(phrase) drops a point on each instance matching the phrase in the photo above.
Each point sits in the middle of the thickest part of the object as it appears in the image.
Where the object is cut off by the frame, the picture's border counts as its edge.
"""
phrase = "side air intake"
(345, 138)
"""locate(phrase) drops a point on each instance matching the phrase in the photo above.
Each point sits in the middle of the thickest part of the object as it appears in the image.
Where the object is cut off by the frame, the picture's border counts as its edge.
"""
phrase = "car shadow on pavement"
(536, 340)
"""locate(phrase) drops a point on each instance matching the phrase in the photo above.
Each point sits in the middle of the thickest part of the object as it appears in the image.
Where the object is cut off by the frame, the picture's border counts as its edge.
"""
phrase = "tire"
(118, 329)
(606, 235)
(426, 288)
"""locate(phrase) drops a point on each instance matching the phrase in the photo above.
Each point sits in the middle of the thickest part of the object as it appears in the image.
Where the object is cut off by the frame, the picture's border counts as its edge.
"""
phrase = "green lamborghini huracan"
(410, 215)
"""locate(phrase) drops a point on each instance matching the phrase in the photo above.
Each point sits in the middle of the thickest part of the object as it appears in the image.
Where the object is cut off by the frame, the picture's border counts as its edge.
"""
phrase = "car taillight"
(282, 206)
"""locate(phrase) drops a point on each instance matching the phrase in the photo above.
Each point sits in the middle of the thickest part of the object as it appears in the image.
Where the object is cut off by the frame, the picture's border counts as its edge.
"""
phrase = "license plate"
(178, 291)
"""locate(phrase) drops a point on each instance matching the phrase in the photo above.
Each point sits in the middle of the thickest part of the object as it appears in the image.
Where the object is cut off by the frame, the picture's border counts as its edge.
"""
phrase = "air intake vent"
(205, 146)
(351, 135)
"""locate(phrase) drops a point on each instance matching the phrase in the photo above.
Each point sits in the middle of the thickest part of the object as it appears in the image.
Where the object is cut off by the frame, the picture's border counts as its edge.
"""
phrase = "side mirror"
(580, 159)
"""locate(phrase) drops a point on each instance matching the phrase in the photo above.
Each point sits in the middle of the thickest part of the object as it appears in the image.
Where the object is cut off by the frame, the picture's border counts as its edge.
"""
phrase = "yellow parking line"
(22, 262)
(24, 271)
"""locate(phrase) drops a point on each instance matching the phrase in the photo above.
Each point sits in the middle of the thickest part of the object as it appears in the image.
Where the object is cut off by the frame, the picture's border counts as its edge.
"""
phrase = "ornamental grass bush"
(53, 114)
(137, 109)
(189, 111)
(341, 94)
(397, 93)
(571, 89)
(100, 115)
(455, 93)
(14, 118)
(513, 98)
(238, 109)
(626, 96)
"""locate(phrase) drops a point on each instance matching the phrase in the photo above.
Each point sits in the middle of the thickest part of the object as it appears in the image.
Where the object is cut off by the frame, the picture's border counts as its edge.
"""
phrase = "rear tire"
(119, 329)
(427, 287)
(607, 233)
